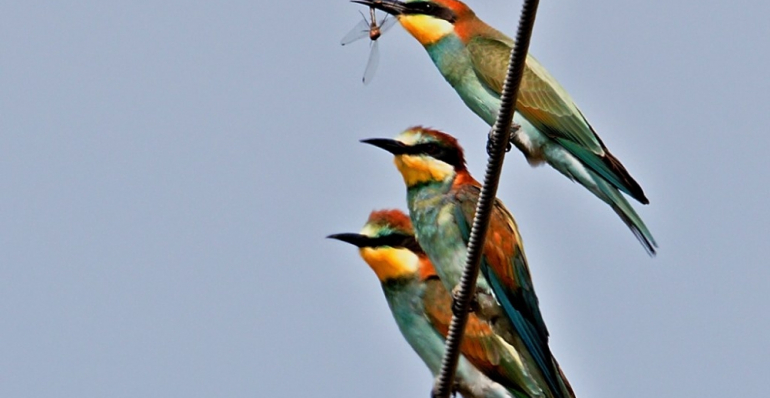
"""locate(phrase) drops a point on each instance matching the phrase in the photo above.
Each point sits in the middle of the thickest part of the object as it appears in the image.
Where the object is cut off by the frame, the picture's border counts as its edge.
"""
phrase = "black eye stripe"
(396, 240)
(448, 155)
(411, 244)
(432, 9)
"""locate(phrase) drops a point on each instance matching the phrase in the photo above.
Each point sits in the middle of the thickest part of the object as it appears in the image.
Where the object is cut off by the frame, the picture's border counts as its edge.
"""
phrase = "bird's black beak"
(392, 146)
(356, 240)
(392, 7)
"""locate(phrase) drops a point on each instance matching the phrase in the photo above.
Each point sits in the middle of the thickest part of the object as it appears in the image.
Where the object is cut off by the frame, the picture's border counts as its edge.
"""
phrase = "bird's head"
(388, 245)
(424, 156)
(427, 20)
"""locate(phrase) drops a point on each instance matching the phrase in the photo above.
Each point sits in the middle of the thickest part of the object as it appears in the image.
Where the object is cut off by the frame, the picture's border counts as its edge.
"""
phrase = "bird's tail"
(564, 384)
(607, 192)
(618, 202)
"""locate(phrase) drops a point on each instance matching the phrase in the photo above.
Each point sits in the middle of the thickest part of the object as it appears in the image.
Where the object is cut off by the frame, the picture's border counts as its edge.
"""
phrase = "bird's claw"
(490, 142)
(434, 392)
(456, 305)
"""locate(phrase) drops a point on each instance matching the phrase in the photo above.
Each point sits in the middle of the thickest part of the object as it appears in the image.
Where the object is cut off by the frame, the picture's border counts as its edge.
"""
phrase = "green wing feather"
(480, 345)
(505, 267)
(541, 99)
(550, 109)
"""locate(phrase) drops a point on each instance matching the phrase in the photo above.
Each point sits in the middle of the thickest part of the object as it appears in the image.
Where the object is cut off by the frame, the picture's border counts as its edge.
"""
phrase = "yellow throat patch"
(420, 169)
(426, 29)
(389, 263)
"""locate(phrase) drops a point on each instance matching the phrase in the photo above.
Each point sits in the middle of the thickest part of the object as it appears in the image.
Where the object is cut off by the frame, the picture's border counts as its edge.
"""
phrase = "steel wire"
(500, 139)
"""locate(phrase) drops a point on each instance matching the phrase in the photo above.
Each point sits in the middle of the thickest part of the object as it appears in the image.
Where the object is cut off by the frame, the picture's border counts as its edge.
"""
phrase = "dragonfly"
(369, 27)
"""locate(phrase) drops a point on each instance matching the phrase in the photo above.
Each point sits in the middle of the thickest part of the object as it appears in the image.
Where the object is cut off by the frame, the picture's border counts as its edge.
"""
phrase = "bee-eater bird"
(388, 245)
(421, 306)
(442, 197)
(473, 57)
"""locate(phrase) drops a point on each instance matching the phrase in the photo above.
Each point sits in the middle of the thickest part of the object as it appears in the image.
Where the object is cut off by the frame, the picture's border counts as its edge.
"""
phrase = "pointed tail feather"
(633, 187)
(609, 168)
(605, 190)
(536, 346)
(566, 386)
(623, 209)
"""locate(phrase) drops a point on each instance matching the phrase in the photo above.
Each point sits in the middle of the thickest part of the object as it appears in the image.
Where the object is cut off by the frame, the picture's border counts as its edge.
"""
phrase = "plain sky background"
(170, 170)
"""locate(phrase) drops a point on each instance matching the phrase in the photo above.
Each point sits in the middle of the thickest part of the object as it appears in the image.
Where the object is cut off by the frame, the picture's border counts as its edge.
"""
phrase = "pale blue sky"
(170, 170)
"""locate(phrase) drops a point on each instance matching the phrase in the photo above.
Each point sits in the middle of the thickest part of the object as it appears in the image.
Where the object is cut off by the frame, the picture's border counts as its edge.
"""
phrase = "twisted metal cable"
(500, 139)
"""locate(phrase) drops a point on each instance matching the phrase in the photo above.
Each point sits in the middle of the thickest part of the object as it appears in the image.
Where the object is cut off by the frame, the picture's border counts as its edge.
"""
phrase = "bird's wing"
(480, 345)
(550, 109)
(541, 99)
(505, 267)
(475, 345)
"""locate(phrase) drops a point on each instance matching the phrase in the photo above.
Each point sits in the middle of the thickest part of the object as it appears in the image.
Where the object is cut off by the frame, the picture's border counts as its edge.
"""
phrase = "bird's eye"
(426, 7)
(432, 149)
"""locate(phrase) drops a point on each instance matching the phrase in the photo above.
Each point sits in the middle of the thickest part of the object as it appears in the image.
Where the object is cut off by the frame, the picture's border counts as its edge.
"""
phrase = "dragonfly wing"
(374, 60)
(387, 23)
(358, 32)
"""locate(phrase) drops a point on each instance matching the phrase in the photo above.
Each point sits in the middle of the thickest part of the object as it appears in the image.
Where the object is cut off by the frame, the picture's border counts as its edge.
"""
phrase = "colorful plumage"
(442, 196)
(473, 57)
(421, 308)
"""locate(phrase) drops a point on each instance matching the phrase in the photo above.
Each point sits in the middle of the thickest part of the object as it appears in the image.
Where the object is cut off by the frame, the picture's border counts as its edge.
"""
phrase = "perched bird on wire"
(388, 245)
(473, 58)
(421, 305)
(442, 198)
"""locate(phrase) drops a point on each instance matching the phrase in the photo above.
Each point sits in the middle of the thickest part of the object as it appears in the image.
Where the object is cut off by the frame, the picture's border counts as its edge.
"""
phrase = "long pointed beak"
(392, 146)
(357, 240)
(390, 6)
